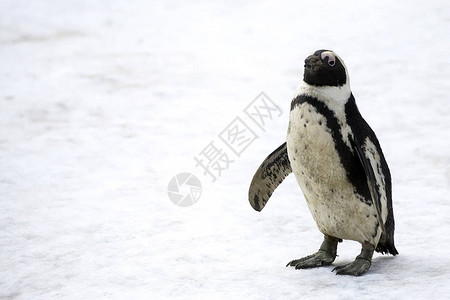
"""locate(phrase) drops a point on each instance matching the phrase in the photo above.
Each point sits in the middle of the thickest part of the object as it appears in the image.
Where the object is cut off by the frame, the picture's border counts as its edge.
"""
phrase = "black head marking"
(324, 68)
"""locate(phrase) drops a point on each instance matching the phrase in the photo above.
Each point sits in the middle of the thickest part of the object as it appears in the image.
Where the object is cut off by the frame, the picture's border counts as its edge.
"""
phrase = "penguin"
(339, 165)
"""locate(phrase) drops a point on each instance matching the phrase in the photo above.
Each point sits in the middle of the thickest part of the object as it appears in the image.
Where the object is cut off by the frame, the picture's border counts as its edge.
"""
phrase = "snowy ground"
(103, 102)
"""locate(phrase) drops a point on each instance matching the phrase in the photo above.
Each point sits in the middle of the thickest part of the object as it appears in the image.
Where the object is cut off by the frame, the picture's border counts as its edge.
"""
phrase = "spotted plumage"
(339, 165)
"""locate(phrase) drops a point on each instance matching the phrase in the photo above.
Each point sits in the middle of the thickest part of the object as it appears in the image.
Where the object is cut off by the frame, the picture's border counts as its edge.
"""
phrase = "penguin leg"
(360, 265)
(324, 257)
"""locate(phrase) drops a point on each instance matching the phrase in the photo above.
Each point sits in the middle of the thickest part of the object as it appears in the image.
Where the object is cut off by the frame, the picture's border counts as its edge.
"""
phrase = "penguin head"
(325, 68)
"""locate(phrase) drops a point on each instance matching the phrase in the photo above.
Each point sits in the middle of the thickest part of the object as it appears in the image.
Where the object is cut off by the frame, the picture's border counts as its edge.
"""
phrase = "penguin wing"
(368, 158)
(268, 177)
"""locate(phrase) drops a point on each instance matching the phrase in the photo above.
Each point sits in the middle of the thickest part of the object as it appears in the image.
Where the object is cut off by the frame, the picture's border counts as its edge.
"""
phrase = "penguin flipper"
(269, 175)
(368, 164)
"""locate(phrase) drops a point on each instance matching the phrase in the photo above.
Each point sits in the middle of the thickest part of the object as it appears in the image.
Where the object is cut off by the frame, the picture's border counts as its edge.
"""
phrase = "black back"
(361, 130)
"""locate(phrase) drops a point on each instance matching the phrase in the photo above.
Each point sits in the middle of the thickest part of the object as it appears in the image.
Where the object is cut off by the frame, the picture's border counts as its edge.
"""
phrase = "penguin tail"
(386, 246)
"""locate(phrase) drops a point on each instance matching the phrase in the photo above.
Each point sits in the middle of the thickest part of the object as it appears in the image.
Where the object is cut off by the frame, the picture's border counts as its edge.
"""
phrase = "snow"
(103, 102)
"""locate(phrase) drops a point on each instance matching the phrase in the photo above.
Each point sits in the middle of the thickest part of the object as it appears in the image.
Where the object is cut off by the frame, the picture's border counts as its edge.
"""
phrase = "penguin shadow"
(383, 264)
(402, 266)
(406, 266)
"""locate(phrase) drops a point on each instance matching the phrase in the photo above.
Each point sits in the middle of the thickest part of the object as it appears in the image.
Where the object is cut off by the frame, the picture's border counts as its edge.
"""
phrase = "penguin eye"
(330, 56)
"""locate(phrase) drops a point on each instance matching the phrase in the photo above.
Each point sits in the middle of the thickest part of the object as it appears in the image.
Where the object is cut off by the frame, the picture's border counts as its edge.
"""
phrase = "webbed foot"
(324, 257)
(318, 259)
(360, 265)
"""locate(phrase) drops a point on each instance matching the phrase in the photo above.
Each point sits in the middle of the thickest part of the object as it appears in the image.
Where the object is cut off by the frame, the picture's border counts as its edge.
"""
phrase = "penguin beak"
(312, 61)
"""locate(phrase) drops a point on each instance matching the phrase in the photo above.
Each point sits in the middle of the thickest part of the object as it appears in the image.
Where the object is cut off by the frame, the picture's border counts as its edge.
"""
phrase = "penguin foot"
(324, 257)
(360, 265)
(318, 259)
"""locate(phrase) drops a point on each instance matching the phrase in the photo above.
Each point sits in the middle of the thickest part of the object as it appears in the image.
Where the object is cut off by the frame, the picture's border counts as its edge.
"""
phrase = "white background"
(103, 102)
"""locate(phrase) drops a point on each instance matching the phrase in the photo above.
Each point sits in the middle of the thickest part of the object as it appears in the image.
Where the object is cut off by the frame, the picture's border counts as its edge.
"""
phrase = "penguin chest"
(320, 174)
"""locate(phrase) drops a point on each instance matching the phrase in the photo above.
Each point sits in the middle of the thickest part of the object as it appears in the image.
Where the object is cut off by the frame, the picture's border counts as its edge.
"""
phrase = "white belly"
(315, 162)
